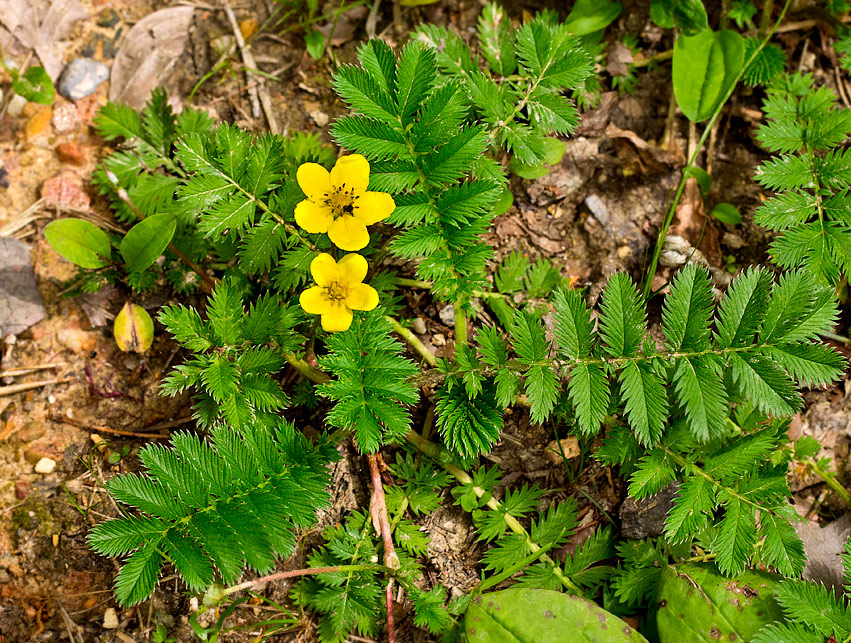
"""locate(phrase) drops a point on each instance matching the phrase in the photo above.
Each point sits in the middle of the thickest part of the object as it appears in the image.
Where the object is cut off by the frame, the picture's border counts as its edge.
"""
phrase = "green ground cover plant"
(288, 241)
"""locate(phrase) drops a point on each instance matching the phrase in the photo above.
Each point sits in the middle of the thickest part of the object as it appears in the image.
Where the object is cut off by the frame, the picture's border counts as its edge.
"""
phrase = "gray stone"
(20, 301)
(82, 77)
(447, 315)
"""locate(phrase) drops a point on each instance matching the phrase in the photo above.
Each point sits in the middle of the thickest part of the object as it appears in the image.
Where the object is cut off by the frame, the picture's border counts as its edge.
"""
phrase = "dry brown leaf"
(692, 225)
(148, 55)
(42, 26)
(634, 150)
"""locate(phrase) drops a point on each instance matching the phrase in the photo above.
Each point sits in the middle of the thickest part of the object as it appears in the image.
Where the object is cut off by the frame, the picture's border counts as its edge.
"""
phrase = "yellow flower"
(339, 290)
(338, 203)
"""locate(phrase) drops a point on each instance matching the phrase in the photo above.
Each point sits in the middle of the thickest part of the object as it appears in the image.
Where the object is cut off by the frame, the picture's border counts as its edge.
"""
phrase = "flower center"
(336, 291)
(340, 200)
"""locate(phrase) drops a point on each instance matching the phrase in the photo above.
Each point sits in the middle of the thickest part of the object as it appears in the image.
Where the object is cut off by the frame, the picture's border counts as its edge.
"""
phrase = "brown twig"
(27, 386)
(293, 573)
(26, 370)
(259, 92)
(105, 429)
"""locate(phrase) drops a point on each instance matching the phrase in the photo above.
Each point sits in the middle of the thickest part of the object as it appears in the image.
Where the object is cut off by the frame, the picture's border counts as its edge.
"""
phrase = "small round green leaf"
(554, 150)
(704, 180)
(503, 202)
(588, 16)
(515, 615)
(528, 170)
(699, 605)
(706, 66)
(35, 85)
(315, 42)
(80, 242)
(727, 213)
(147, 240)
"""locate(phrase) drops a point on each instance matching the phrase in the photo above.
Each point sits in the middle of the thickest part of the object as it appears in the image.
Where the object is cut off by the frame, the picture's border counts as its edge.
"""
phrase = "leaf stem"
(414, 341)
(830, 480)
(460, 327)
(310, 372)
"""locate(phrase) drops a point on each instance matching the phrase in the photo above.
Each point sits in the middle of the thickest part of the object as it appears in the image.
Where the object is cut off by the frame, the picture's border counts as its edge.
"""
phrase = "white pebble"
(16, 105)
(45, 465)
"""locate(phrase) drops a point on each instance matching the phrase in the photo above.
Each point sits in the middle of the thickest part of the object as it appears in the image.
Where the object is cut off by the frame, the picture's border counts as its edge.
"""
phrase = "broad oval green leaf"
(727, 213)
(705, 68)
(588, 16)
(146, 240)
(543, 615)
(80, 242)
(699, 605)
(688, 15)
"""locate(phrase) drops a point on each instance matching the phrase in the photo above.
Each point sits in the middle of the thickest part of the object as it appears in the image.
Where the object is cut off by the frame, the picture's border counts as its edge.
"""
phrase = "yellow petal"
(324, 269)
(372, 207)
(313, 217)
(353, 269)
(351, 171)
(362, 297)
(314, 180)
(338, 318)
(348, 233)
(315, 301)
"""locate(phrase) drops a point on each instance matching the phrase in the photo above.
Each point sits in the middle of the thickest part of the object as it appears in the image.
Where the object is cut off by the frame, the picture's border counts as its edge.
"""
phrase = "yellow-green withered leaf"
(133, 329)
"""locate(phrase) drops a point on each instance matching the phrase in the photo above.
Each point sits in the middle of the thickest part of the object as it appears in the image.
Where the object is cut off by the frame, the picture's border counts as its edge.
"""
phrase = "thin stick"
(293, 573)
(28, 386)
(105, 429)
(14, 372)
(259, 91)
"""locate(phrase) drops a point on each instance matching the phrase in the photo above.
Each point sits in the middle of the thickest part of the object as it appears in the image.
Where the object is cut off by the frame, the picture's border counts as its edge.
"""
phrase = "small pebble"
(70, 152)
(82, 77)
(65, 118)
(45, 465)
(16, 105)
(110, 619)
(22, 489)
(38, 124)
(419, 326)
(447, 315)
(319, 117)
(569, 446)
(438, 339)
